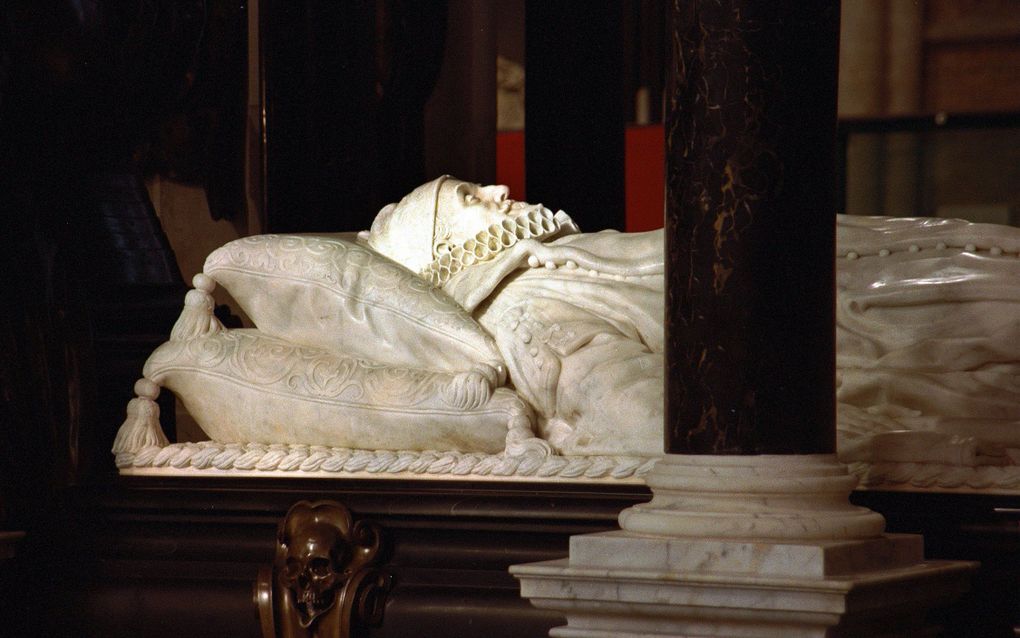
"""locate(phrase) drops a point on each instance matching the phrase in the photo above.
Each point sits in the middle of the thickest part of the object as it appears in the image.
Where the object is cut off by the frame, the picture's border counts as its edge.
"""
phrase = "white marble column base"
(764, 496)
(627, 604)
(616, 584)
(763, 546)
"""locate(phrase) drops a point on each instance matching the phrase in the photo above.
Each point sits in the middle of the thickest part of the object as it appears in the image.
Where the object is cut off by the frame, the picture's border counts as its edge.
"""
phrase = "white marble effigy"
(470, 335)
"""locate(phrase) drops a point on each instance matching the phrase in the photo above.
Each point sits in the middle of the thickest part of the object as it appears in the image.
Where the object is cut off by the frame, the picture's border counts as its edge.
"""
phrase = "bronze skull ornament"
(317, 565)
(326, 582)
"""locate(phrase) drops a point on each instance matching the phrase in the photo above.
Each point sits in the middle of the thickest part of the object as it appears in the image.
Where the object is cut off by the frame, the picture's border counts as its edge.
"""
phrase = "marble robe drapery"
(582, 335)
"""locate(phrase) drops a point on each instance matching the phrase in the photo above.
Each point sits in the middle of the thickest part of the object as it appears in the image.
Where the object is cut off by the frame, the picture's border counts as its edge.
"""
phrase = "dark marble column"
(750, 150)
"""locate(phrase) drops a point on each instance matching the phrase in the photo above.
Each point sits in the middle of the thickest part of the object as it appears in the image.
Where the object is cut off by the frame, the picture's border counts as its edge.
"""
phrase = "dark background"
(97, 95)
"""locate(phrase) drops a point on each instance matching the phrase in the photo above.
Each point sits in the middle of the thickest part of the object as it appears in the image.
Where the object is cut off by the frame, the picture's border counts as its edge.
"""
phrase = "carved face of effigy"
(464, 209)
(448, 224)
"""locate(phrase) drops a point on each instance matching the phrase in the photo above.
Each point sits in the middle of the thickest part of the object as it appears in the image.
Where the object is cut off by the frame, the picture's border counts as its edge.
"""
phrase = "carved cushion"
(242, 385)
(336, 294)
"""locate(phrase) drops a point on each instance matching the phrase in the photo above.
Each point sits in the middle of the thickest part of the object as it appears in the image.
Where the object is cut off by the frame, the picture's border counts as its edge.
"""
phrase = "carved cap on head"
(405, 231)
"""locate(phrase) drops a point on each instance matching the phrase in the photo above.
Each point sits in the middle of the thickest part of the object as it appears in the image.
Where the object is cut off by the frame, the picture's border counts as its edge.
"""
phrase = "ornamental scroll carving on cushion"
(469, 334)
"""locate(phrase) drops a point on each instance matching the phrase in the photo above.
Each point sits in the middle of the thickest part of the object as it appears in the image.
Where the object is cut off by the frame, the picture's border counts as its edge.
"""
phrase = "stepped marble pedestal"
(746, 546)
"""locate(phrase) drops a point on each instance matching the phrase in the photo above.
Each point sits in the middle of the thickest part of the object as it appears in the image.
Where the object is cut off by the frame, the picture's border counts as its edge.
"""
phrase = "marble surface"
(242, 385)
(928, 352)
(577, 317)
(789, 559)
(513, 333)
(703, 558)
(638, 603)
(335, 294)
(749, 164)
(211, 458)
(776, 497)
(527, 335)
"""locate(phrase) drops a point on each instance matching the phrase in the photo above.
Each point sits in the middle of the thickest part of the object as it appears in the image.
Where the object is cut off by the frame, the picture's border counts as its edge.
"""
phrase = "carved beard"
(538, 223)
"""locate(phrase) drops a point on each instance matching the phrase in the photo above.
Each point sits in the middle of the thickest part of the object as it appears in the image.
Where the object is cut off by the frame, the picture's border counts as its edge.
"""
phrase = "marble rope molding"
(258, 459)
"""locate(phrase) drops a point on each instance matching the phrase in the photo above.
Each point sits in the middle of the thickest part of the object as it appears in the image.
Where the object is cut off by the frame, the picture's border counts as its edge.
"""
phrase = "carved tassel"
(141, 427)
(197, 319)
(520, 439)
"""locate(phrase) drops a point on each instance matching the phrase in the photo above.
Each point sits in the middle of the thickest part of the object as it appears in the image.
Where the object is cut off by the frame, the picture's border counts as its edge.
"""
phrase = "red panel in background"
(644, 166)
(510, 162)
